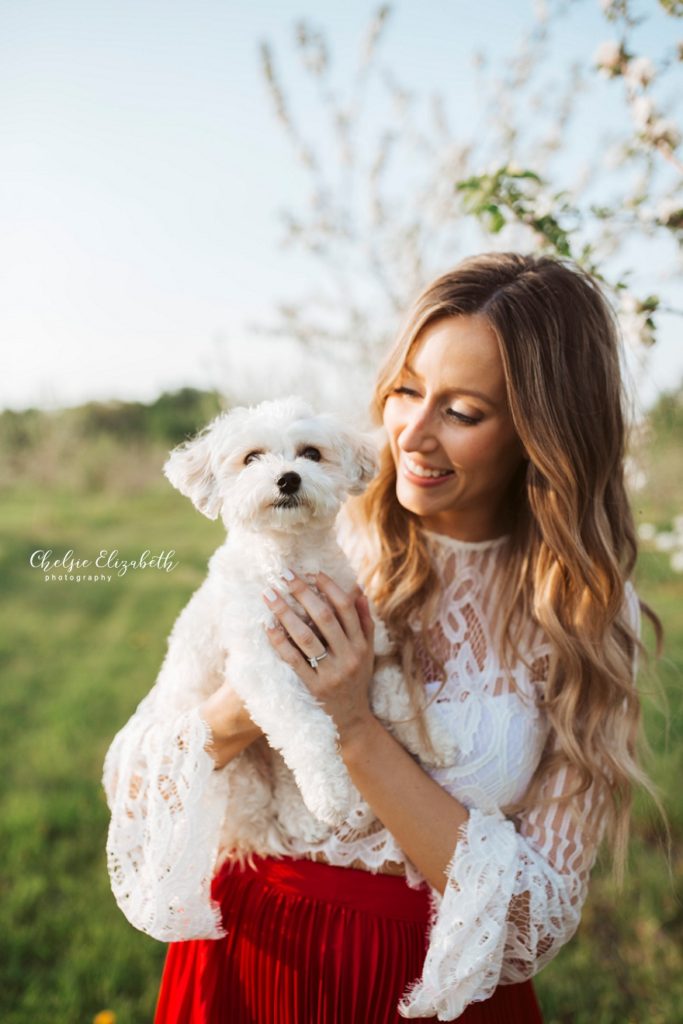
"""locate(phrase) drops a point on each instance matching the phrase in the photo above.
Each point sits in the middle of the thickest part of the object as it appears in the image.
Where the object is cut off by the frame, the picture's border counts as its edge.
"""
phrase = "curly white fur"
(277, 474)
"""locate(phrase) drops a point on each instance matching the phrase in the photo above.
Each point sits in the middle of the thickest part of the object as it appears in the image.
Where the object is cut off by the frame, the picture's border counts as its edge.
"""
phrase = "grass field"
(77, 657)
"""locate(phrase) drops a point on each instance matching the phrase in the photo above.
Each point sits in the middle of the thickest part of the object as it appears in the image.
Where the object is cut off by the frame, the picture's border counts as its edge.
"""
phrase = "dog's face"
(272, 466)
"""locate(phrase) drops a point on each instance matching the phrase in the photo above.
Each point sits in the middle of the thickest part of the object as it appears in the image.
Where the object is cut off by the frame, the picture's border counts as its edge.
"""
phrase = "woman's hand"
(341, 682)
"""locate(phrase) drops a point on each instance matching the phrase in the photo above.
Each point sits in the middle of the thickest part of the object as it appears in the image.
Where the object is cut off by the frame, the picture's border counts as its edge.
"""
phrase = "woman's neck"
(468, 528)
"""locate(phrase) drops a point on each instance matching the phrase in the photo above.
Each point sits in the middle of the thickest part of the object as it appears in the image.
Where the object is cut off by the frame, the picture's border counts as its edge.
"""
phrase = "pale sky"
(142, 169)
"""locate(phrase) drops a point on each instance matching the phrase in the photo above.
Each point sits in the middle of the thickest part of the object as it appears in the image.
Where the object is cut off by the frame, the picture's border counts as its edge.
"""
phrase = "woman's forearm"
(423, 818)
(231, 727)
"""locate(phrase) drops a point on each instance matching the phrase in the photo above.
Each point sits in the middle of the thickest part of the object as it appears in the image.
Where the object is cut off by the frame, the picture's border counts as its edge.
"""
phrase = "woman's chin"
(421, 502)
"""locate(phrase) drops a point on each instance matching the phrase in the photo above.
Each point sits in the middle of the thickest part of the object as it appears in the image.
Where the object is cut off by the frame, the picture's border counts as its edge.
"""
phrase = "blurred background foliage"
(118, 444)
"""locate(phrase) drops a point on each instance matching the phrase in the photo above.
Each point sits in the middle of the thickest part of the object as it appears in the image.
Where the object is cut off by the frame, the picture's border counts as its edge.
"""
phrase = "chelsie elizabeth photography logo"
(100, 569)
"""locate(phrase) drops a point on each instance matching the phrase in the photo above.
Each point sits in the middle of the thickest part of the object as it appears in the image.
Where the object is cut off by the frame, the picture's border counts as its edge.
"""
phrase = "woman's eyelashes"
(461, 417)
(455, 414)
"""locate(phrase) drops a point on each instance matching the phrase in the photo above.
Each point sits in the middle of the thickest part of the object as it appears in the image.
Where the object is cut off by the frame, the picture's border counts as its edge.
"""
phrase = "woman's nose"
(418, 429)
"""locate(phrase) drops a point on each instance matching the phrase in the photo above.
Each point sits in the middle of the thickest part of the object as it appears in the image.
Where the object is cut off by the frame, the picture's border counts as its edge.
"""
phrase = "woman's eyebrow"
(454, 390)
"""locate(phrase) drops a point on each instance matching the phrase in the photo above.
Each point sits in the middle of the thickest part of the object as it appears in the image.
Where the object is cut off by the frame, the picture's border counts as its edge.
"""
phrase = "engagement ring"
(313, 662)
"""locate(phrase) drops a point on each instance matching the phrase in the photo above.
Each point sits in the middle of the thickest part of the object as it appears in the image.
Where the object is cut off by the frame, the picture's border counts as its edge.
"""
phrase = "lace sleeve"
(166, 800)
(513, 896)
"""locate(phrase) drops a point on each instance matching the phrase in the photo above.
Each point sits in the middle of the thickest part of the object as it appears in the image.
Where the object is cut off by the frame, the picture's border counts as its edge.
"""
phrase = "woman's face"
(448, 412)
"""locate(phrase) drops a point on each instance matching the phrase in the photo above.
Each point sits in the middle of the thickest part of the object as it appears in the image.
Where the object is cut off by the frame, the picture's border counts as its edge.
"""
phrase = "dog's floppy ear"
(363, 462)
(189, 469)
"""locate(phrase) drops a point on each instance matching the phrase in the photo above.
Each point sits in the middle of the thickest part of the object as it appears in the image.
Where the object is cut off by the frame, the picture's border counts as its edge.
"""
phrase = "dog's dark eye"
(311, 453)
(251, 456)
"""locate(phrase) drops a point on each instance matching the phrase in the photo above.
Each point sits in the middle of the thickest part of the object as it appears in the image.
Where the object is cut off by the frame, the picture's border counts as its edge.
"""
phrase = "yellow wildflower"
(104, 1017)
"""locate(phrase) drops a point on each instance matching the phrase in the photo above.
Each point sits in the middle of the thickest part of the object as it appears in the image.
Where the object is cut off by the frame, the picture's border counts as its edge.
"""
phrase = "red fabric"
(310, 943)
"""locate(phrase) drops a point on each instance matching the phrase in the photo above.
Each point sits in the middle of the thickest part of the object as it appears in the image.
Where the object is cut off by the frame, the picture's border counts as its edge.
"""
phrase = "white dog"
(277, 474)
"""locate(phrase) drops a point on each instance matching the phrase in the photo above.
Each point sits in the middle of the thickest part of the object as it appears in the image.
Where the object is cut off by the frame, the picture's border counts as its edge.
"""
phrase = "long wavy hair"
(572, 544)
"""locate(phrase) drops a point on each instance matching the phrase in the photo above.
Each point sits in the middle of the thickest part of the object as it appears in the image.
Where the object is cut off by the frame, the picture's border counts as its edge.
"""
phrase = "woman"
(496, 543)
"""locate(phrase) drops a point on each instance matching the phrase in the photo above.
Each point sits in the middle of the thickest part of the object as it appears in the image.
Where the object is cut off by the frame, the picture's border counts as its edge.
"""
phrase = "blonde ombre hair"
(572, 541)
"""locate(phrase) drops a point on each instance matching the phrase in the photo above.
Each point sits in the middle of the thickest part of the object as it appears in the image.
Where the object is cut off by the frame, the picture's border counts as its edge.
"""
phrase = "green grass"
(76, 659)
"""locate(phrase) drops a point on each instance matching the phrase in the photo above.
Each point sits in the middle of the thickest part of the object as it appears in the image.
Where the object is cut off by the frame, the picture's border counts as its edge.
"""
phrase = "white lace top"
(515, 887)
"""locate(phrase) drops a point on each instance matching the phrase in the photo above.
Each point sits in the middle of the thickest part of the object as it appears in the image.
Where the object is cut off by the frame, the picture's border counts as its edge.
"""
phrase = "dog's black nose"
(289, 483)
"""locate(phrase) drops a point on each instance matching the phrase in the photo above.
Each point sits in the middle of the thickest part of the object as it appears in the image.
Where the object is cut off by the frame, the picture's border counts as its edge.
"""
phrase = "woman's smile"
(423, 476)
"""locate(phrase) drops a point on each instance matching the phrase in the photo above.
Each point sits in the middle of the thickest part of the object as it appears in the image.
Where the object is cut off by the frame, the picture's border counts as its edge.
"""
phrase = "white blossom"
(647, 531)
(645, 214)
(640, 71)
(665, 541)
(628, 303)
(609, 56)
(664, 131)
(642, 109)
(544, 205)
(666, 208)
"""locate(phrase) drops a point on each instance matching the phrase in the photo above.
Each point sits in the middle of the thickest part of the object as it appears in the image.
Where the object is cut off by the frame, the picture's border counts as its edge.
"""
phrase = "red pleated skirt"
(310, 943)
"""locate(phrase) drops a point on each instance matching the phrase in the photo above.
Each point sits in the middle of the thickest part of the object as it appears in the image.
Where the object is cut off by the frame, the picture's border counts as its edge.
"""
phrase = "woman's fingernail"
(269, 594)
(287, 574)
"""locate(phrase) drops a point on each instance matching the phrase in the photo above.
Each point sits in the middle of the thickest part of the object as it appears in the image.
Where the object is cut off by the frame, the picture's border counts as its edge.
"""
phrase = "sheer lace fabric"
(495, 730)
(514, 889)
(168, 803)
(165, 800)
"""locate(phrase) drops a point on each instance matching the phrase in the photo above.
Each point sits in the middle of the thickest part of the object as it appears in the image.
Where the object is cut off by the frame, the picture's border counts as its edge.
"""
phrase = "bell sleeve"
(166, 799)
(514, 893)
(166, 806)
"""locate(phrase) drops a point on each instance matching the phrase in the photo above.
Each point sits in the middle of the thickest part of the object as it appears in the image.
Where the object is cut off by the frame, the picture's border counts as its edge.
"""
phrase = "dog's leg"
(252, 823)
(293, 815)
(296, 725)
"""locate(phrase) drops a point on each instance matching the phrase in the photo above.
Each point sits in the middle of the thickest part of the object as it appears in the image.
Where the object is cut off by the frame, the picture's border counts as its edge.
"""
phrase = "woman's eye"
(462, 417)
(311, 453)
(251, 456)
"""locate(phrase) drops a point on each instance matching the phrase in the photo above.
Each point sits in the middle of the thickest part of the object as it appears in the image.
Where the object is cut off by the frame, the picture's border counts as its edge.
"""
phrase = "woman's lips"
(424, 481)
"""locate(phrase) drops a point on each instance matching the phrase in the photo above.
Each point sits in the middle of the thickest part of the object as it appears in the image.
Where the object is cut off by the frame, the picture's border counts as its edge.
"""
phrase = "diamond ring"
(313, 662)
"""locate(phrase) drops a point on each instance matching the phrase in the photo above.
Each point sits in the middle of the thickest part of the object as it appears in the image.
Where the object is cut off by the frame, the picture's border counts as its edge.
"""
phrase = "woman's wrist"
(354, 742)
(231, 728)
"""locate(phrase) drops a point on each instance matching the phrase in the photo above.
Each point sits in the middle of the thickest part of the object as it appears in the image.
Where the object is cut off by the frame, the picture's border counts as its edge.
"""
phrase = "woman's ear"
(190, 470)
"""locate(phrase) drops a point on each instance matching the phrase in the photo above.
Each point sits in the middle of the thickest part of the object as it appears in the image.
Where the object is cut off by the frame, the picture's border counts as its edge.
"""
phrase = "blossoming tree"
(391, 205)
